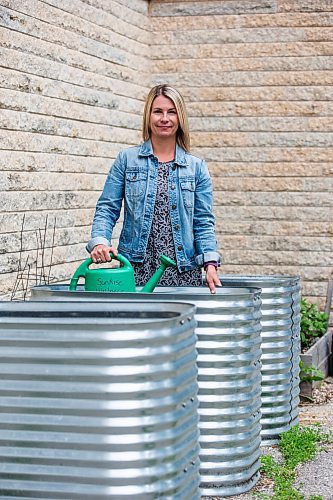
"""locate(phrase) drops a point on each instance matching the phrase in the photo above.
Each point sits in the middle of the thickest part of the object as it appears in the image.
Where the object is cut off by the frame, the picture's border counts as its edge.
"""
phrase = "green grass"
(298, 445)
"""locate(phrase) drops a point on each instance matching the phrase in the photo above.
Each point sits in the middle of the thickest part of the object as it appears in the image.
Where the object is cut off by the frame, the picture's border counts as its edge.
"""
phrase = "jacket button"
(177, 226)
(180, 247)
(174, 207)
(173, 186)
(173, 167)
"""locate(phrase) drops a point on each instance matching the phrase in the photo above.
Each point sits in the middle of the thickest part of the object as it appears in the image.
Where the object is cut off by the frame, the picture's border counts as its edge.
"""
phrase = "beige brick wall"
(73, 78)
(258, 77)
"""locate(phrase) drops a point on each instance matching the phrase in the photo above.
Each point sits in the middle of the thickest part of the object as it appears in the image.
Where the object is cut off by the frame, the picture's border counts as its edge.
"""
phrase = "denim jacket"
(133, 178)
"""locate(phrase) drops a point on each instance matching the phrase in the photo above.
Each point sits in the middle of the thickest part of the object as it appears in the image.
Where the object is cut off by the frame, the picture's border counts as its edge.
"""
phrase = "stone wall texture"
(257, 77)
(74, 75)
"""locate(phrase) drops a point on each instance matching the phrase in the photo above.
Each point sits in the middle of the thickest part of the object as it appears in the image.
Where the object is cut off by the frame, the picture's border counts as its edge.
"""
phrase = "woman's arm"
(108, 206)
(204, 228)
(204, 220)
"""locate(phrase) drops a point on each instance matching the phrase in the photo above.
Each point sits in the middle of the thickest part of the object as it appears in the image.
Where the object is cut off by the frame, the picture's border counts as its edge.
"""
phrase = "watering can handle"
(83, 268)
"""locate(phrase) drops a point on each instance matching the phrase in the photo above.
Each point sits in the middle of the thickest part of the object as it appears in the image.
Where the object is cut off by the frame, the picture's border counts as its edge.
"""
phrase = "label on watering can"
(113, 281)
(110, 285)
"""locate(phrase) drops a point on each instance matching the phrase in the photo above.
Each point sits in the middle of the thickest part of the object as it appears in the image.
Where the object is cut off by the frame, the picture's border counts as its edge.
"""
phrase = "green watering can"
(116, 279)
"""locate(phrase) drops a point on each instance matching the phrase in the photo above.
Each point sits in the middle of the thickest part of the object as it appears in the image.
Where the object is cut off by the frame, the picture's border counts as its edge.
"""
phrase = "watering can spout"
(152, 283)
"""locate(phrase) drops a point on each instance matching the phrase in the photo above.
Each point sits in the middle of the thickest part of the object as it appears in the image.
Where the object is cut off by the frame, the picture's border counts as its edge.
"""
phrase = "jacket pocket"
(187, 189)
(136, 183)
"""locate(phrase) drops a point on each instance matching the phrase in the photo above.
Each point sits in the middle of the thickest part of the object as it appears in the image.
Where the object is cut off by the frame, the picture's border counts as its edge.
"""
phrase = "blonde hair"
(183, 134)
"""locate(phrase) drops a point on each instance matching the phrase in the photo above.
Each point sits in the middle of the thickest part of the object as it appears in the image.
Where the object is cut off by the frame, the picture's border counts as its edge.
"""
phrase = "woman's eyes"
(170, 112)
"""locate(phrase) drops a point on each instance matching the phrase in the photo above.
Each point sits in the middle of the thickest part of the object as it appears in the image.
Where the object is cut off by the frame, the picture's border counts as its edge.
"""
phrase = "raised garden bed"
(317, 343)
(319, 356)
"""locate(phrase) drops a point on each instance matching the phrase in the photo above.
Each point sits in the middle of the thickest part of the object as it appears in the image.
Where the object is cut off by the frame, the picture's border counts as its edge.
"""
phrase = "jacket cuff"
(99, 240)
(208, 257)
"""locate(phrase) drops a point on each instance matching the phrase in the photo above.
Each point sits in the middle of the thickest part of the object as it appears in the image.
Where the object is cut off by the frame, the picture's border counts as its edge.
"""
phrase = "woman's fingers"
(101, 253)
(212, 279)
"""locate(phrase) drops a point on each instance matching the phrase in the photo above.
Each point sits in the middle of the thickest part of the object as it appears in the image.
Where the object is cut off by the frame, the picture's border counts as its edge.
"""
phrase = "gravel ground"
(315, 477)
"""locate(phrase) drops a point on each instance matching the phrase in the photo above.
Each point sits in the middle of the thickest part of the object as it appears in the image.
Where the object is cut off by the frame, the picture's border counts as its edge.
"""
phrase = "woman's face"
(163, 118)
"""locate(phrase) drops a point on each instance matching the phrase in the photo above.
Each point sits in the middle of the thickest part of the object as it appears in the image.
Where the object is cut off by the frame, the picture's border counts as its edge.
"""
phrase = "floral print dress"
(160, 241)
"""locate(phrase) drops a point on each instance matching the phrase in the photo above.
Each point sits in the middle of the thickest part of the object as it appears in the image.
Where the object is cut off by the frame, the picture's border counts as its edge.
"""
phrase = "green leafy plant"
(283, 479)
(310, 373)
(298, 445)
(313, 323)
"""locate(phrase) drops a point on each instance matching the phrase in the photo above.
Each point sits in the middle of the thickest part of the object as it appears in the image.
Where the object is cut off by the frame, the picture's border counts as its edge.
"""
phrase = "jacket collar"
(146, 149)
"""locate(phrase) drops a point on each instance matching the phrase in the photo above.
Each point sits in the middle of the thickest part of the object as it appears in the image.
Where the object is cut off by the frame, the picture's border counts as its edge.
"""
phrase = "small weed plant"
(298, 445)
(310, 373)
(313, 324)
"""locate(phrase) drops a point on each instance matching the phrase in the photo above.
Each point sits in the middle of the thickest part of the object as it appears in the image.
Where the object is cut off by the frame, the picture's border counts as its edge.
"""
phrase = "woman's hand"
(101, 253)
(212, 278)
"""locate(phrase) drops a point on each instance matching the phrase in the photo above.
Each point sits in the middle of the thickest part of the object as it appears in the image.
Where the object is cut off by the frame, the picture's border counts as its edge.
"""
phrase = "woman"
(167, 195)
